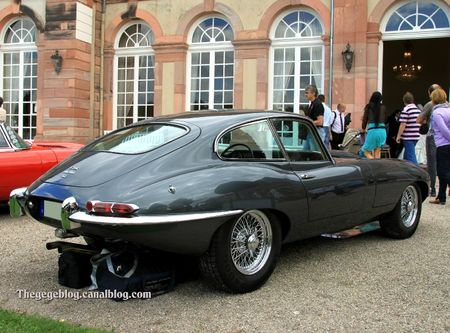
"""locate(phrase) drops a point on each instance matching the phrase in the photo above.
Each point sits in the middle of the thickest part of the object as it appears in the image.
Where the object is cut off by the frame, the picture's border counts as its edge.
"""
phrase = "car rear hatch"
(119, 153)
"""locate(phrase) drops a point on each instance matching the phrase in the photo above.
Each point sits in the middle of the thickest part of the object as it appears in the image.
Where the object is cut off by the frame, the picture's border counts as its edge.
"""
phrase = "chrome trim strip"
(82, 217)
(19, 192)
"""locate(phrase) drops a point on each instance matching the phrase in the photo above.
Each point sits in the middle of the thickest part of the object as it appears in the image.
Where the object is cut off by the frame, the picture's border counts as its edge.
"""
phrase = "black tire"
(394, 225)
(217, 264)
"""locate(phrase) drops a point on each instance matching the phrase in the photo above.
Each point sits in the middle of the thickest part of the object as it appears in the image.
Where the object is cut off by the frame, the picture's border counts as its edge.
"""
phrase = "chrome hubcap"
(409, 206)
(251, 242)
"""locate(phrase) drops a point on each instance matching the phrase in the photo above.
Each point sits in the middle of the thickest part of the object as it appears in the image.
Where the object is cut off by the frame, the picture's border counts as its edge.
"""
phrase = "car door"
(335, 191)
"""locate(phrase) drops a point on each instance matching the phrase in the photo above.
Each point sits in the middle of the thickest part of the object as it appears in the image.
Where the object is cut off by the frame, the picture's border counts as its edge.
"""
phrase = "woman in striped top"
(408, 132)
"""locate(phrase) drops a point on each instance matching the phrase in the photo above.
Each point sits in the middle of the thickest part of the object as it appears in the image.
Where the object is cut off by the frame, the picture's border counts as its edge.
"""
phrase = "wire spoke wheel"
(409, 206)
(251, 242)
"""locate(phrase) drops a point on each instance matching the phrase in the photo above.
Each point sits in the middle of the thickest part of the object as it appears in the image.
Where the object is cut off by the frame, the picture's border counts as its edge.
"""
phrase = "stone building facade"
(71, 70)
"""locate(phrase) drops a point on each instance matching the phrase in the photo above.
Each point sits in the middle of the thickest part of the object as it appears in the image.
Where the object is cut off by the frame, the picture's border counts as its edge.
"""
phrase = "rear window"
(138, 139)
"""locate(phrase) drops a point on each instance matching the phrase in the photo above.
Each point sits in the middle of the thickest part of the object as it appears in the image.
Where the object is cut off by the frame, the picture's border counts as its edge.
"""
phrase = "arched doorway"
(414, 33)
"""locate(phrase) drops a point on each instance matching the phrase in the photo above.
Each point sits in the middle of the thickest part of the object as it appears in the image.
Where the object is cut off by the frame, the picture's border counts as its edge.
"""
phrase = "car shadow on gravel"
(4, 209)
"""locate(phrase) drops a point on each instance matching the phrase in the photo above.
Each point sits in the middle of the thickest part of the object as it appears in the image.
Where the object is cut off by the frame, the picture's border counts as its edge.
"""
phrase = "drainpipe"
(92, 83)
(330, 83)
(102, 66)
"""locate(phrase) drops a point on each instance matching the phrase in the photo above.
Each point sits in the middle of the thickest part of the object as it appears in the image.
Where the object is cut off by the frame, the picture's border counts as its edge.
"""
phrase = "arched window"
(297, 59)
(417, 16)
(211, 66)
(19, 76)
(134, 75)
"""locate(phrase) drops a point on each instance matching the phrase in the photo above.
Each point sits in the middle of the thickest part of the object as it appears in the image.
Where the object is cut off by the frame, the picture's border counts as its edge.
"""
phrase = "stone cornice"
(170, 47)
(251, 44)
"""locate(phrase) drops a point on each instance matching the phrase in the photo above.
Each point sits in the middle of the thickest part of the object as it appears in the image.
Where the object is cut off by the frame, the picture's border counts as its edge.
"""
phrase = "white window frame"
(204, 48)
(297, 44)
(416, 33)
(20, 48)
(135, 52)
(406, 35)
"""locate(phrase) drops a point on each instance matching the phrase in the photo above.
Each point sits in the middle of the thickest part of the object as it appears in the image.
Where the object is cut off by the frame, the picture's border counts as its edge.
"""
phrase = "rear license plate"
(52, 210)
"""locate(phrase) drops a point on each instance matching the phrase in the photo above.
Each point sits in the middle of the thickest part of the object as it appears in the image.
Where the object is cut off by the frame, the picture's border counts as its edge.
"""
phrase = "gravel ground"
(362, 284)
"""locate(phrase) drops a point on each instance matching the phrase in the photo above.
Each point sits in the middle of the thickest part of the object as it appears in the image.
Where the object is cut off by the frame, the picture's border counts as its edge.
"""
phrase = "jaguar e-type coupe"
(22, 162)
(228, 186)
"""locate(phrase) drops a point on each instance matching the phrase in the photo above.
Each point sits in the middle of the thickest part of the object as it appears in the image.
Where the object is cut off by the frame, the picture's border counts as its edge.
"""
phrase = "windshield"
(137, 139)
(16, 140)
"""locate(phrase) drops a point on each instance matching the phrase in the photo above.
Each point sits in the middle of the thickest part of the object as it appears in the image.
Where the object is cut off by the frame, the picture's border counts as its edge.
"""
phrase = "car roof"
(220, 118)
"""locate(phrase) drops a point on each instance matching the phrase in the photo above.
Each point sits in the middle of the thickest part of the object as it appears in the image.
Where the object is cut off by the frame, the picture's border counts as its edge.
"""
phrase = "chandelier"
(407, 71)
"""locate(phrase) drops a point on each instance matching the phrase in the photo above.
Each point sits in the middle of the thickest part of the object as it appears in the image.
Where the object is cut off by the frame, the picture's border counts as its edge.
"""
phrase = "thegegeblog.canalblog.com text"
(78, 295)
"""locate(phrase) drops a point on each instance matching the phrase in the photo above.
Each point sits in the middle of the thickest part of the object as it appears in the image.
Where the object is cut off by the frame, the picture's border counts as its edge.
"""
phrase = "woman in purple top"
(440, 122)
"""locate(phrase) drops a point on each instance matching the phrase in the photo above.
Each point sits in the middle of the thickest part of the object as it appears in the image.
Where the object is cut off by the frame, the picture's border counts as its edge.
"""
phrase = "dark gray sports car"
(228, 186)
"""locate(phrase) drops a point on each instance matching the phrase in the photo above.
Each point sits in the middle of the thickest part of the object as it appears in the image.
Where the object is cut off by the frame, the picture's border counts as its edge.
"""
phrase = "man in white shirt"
(338, 126)
(327, 120)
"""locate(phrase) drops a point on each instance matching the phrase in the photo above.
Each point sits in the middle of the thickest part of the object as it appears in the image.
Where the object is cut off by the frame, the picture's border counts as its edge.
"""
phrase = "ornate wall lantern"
(57, 61)
(348, 56)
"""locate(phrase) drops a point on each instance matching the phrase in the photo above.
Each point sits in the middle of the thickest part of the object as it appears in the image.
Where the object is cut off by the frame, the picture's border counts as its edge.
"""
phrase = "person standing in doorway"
(338, 126)
(316, 110)
(430, 147)
(408, 133)
(327, 120)
(393, 123)
(441, 127)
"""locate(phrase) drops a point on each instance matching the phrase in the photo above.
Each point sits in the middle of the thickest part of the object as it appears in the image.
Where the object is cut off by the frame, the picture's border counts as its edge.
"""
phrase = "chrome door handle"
(306, 176)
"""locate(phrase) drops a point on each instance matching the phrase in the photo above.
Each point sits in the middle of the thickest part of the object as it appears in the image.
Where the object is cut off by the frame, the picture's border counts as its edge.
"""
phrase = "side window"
(253, 141)
(299, 141)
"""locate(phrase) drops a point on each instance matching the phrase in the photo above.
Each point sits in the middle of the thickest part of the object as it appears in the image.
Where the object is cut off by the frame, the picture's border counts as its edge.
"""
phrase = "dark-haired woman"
(373, 124)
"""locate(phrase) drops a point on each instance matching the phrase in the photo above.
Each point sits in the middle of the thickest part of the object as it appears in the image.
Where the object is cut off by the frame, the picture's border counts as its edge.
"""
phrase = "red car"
(21, 163)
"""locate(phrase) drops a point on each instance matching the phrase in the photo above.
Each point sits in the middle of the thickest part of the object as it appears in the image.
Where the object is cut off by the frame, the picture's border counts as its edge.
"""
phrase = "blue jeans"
(410, 150)
(321, 133)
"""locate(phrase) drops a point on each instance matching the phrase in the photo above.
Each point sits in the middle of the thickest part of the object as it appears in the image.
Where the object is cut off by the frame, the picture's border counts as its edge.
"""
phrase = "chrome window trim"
(241, 124)
(326, 153)
(270, 119)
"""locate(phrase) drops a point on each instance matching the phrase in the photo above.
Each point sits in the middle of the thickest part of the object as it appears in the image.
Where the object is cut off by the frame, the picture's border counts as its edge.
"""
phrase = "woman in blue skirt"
(373, 124)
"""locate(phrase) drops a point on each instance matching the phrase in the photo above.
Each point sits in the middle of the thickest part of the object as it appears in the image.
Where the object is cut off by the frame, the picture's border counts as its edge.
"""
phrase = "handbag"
(424, 128)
